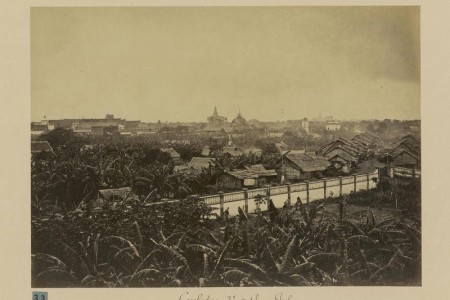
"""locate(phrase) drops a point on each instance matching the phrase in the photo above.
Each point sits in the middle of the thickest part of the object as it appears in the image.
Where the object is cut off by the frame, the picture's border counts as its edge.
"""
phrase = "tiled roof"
(348, 143)
(409, 143)
(370, 135)
(407, 147)
(416, 156)
(199, 163)
(342, 154)
(242, 174)
(363, 139)
(260, 170)
(39, 127)
(350, 150)
(39, 146)
(171, 152)
(309, 162)
(411, 139)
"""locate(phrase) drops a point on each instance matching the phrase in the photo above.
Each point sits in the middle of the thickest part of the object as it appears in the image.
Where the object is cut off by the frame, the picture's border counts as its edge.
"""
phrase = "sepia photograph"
(257, 146)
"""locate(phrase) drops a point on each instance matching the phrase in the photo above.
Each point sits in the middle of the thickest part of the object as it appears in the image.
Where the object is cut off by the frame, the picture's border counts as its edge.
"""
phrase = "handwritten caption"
(255, 296)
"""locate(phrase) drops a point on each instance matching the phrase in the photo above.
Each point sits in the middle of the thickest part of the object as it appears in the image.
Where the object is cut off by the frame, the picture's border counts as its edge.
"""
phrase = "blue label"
(40, 296)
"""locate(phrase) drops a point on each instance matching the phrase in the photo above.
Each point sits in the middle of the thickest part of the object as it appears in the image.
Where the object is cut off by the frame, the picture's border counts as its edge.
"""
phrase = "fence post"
(340, 186)
(307, 191)
(414, 173)
(289, 195)
(268, 198)
(245, 199)
(324, 188)
(221, 203)
(368, 181)
(354, 183)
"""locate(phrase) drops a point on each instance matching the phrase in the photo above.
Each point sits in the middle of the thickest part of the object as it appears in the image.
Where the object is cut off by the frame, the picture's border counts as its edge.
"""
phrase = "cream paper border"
(15, 274)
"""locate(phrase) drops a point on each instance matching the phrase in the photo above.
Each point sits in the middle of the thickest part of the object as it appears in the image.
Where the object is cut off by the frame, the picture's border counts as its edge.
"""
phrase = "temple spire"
(215, 111)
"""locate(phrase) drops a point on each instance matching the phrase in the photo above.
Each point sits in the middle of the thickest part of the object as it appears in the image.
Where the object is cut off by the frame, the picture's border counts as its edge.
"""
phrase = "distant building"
(343, 144)
(407, 159)
(304, 166)
(97, 130)
(96, 127)
(143, 128)
(82, 131)
(238, 179)
(239, 121)
(333, 126)
(38, 128)
(215, 120)
(275, 134)
(173, 154)
(198, 164)
(111, 196)
(305, 125)
(407, 152)
(217, 124)
(364, 141)
(264, 176)
(38, 147)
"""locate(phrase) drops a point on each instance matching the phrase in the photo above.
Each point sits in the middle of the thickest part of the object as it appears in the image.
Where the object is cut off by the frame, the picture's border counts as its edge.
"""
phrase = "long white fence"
(405, 172)
(307, 191)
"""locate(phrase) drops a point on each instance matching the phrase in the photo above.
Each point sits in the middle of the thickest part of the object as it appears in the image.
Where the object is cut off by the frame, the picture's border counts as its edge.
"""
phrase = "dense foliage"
(81, 167)
(179, 244)
(139, 242)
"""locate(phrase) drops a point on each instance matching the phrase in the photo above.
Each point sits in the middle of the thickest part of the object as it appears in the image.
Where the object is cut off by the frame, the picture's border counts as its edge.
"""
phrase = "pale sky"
(271, 63)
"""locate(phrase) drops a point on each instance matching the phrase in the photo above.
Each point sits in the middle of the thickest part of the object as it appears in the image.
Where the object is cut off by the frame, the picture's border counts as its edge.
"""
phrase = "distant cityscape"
(215, 123)
(321, 143)
(233, 146)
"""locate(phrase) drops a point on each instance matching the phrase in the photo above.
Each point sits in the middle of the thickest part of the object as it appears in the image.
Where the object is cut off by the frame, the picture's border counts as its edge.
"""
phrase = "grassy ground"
(356, 213)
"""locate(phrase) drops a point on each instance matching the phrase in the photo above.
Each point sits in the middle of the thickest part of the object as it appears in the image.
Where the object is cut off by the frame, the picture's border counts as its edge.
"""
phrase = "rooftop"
(260, 170)
(242, 174)
(171, 152)
(199, 163)
(309, 162)
(40, 146)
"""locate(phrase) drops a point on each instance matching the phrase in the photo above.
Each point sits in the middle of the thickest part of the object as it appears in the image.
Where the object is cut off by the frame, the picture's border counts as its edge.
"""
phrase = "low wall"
(307, 191)
(404, 172)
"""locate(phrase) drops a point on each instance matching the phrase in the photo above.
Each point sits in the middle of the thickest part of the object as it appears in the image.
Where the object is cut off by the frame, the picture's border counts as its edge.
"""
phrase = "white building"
(333, 126)
(305, 125)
